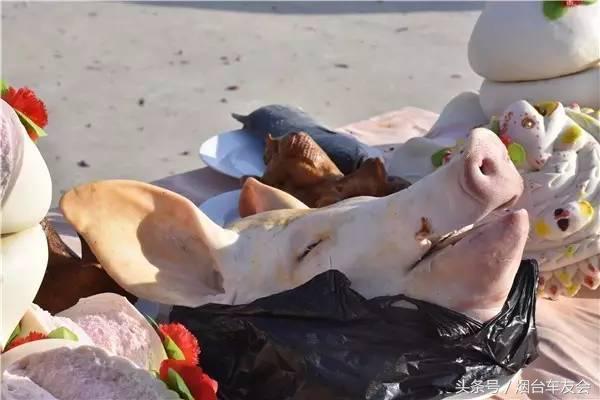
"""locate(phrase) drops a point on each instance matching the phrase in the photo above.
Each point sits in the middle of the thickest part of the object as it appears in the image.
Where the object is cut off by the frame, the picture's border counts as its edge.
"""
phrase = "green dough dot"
(63, 333)
(553, 9)
(517, 153)
(437, 159)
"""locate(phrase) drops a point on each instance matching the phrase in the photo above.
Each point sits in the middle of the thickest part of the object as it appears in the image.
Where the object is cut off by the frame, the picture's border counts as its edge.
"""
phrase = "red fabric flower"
(25, 101)
(184, 339)
(201, 386)
(32, 337)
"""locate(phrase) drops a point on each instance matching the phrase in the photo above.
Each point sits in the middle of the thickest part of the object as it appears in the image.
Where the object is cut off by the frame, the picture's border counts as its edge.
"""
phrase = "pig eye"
(308, 249)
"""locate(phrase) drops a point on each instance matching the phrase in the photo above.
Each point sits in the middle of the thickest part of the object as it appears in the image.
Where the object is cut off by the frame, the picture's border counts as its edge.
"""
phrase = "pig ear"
(256, 197)
(154, 243)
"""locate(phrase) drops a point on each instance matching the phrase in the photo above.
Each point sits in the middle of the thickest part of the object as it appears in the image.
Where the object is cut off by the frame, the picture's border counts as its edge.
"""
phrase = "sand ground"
(134, 88)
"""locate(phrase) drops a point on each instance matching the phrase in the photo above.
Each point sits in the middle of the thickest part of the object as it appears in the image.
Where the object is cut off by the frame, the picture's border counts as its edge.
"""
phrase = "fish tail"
(239, 117)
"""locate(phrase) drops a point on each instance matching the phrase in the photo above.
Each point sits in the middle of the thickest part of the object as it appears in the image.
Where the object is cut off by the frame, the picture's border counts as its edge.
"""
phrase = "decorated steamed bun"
(530, 40)
(55, 369)
(556, 148)
(558, 154)
(111, 330)
(582, 88)
(25, 193)
(26, 183)
(24, 258)
(537, 51)
(560, 164)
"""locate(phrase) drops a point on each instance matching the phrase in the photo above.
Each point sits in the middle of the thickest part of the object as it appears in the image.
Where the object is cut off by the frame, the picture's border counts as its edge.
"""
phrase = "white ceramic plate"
(223, 209)
(239, 153)
(235, 153)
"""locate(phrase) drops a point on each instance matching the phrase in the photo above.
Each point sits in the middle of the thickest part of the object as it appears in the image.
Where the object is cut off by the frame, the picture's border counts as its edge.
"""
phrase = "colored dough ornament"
(553, 9)
(507, 140)
(517, 153)
(541, 228)
(440, 157)
(30, 109)
(571, 134)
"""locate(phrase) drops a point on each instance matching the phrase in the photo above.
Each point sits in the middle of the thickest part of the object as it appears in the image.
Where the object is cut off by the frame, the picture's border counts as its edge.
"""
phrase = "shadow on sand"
(330, 7)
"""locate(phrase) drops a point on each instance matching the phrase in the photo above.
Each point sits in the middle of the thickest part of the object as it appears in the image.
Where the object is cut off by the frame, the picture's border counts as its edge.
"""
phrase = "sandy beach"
(134, 88)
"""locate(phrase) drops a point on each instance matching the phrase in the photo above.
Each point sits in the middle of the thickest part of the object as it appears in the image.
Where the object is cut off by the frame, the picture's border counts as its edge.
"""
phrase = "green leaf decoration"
(3, 87)
(152, 322)
(495, 125)
(517, 153)
(29, 124)
(588, 2)
(175, 382)
(437, 159)
(553, 10)
(14, 333)
(173, 351)
(63, 333)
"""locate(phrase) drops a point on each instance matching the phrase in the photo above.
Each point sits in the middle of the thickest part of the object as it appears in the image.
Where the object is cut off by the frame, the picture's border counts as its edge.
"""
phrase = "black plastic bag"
(324, 341)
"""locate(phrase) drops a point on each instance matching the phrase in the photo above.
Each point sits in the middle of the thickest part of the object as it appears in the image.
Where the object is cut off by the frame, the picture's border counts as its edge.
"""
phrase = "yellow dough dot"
(586, 208)
(541, 228)
(563, 277)
(572, 290)
(571, 134)
(569, 251)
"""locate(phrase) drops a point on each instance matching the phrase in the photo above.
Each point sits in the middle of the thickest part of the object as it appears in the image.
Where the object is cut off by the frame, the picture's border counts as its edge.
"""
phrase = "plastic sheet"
(324, 341)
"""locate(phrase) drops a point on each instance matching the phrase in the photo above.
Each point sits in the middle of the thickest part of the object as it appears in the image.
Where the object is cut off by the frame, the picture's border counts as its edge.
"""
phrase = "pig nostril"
(487, 167)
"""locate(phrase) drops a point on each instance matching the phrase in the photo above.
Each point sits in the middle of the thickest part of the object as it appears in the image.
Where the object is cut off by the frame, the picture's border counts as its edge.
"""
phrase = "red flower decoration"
(447, 156)
(184, 339)
(32, 337)
(589, 280)
(201, 386)
(572, 3)
(505, 139)
(25, 101)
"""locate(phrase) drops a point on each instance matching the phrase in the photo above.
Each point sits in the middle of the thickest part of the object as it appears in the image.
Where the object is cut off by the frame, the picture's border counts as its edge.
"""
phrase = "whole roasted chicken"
(297, 165)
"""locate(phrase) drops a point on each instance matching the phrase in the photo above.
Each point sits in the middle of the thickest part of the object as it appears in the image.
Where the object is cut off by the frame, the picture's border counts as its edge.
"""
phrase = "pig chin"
(474, 275)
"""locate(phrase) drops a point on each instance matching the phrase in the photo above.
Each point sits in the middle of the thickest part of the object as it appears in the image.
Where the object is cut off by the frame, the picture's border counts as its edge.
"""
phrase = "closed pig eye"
(308, 249)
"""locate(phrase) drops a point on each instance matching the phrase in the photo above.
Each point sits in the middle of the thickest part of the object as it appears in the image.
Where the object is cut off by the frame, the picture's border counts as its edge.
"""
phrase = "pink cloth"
(569, 329)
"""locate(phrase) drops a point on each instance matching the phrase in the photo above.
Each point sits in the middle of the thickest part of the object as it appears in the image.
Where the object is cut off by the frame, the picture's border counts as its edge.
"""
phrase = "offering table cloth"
(568, 366)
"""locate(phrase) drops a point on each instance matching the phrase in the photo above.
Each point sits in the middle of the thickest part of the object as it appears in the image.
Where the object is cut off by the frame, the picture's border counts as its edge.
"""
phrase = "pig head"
(159, 246)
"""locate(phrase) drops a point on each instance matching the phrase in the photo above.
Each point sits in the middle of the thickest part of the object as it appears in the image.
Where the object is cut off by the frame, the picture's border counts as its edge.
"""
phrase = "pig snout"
(489, 174)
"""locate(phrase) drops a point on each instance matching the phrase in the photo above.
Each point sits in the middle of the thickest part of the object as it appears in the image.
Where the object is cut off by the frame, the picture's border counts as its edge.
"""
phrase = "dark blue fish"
(278, 120)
